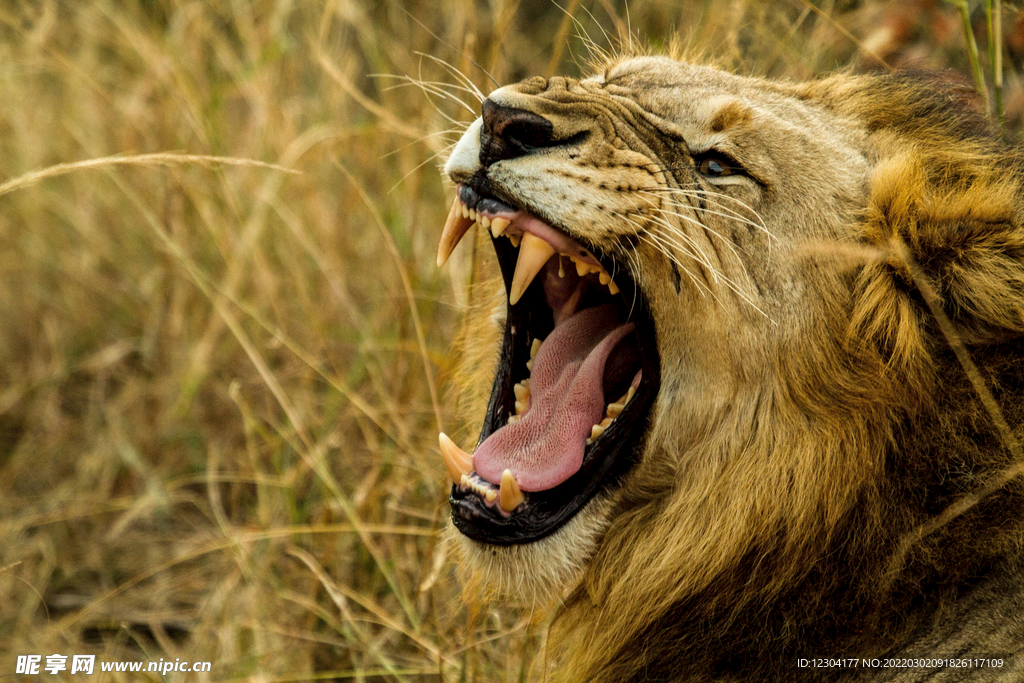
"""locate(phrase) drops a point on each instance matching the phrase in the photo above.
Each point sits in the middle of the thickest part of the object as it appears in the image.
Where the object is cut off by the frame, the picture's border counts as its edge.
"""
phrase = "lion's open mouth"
(575, 384)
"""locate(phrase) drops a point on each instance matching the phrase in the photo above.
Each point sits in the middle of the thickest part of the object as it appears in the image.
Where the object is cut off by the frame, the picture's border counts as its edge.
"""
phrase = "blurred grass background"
(223, 339)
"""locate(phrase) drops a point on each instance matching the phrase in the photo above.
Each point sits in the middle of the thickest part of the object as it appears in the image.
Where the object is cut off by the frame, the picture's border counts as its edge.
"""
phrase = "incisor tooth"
(498, 226)
(454, 229)
(485, 221)
(612, 287)
(509, 495)
(465, 210)
(515, 239)
(581, 268)
(491, 495)
(533, 254)
(603, 277)
(458, 462)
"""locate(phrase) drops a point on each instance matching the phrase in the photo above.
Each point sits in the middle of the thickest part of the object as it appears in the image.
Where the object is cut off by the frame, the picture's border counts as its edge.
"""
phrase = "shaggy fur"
(815, 418)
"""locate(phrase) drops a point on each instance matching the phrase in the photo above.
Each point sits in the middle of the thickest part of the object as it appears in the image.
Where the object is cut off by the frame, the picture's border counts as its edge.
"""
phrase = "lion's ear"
(955, 220)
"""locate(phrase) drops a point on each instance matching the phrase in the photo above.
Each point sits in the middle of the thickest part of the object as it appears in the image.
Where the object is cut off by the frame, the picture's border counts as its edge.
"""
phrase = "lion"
(757, 374)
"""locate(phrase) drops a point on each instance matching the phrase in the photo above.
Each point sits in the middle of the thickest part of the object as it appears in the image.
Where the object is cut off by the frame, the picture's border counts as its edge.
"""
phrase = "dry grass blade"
(157, 159)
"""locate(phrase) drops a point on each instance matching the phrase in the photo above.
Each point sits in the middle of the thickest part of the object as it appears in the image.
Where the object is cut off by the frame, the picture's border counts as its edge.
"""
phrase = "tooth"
(509, 496)
(529, 365)
(515, 239)
(485, 221)
(605, 422)
(561, 268)
(491, 495)
(612, 287)
(498, 226)
(512, 419)
(604, 277)
(629, 394)
(521, 407)
(465, 211)
(614, 409)
(464, 481)
(454, 229)
(472, 214)
(581, 268)
(458, 462)
(521, 391)
(596, 431)
(534, 253)
(534, 348)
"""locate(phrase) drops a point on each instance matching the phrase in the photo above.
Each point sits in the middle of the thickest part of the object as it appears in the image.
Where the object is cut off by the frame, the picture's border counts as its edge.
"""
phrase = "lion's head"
(722, 399)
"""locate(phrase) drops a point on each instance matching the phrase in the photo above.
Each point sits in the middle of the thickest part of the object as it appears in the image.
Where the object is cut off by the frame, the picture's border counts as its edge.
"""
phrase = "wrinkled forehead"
(699, 103)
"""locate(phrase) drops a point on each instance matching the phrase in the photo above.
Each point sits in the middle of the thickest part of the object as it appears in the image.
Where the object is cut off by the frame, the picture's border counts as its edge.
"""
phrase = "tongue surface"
(545, 447)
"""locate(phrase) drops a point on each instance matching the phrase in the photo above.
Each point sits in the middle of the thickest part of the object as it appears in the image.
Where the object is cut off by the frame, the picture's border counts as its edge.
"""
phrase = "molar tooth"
(510, 496)
(454, 229)
(596, 431)
(629, 394)
(458, 462)
(498, 226)
(614, 409)
(529, 365)
(512, 419)
(521, 407)
(522, 392)
(534, 348)
(605, 422)
(534, 253)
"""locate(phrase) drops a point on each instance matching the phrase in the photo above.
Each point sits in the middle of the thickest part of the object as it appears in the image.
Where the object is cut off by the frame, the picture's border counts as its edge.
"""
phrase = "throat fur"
(816, 584)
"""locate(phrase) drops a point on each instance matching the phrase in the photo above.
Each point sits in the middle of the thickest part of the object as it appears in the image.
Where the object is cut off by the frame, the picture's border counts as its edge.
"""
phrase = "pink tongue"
(545, 447)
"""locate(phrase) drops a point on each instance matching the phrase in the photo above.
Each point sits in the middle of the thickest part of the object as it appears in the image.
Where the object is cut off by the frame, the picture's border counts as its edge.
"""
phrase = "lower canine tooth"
(458, 462)
(510, 496)
(533, 254)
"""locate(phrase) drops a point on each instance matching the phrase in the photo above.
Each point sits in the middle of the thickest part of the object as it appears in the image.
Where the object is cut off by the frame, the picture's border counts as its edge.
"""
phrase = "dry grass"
(224, 340)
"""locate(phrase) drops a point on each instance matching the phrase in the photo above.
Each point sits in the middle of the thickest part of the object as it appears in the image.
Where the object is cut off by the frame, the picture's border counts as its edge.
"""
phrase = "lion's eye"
(717, 166)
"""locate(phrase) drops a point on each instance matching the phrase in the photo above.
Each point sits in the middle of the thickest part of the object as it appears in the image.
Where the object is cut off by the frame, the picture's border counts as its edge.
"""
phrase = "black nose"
(508, 133)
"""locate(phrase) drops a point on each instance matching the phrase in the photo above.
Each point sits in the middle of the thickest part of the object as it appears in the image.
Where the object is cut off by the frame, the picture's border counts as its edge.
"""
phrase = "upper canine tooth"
(458, 462)
(510, 496)
(498, 226)
(454, 228)
(533, 254)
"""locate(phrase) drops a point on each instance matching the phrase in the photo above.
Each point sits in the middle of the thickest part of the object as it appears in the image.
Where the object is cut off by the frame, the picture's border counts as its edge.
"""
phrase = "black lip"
(604, 464)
